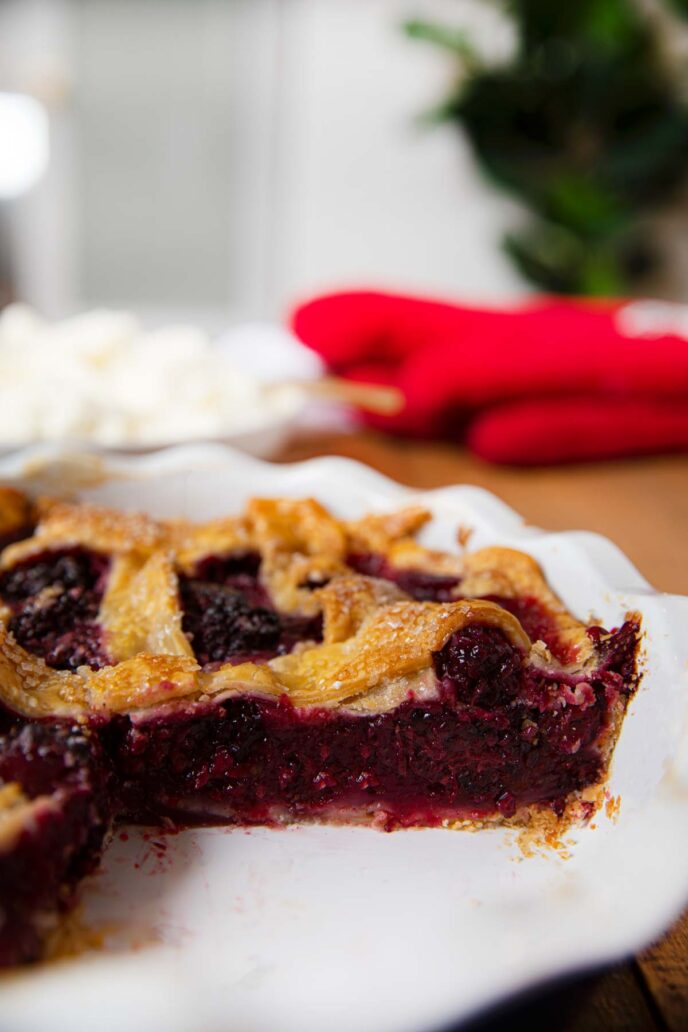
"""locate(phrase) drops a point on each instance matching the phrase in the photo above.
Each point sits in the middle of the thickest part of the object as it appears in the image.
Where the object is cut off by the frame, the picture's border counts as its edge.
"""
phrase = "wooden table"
(643, 506)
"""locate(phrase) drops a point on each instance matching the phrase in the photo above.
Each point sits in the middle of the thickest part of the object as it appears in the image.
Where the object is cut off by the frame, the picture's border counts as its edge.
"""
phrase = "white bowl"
(264, 439)
(349, 928)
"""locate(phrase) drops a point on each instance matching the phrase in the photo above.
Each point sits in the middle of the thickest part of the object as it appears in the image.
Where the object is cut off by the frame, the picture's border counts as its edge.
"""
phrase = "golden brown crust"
(15, 809)
(347, 600)
(16, 511)
(140, 610)
(374, 532)
(511, 574)
(64, 524)
(16, 814)
(394, 641)
(377, 642)
(191, 542)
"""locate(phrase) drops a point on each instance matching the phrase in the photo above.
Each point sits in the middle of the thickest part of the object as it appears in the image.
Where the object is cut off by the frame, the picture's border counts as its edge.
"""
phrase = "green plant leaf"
(454, 40)
(584, 206)
(679, 6)
(585, 125)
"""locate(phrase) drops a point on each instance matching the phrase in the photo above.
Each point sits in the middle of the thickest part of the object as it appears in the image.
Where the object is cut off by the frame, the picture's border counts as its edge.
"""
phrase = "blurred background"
(220, 162)
(215, 159)
(276, 141)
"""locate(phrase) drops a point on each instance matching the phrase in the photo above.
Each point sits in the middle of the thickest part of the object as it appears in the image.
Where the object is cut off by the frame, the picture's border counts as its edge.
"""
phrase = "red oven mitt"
(548, 381)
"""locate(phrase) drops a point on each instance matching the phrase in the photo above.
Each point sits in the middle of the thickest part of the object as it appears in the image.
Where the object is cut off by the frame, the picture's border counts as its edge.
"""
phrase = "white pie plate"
(314, 928)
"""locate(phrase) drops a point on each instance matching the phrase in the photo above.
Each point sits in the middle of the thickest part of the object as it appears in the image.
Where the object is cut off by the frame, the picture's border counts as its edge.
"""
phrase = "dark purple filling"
(240, 570)
(221, 624)
(535, 621)
(62, 840)
(618, 651)
(70, 569)
(479, 667)
(425, 587)
(229, 616)
(55, 598)
(499, 737)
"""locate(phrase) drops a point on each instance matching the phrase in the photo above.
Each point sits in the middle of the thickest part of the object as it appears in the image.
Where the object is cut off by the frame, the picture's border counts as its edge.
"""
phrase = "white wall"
(367, 195)
(269, 146)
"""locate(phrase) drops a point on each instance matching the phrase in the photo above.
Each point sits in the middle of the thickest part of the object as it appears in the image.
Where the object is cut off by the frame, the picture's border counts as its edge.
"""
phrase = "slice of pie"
(55, 811)
(279, 666)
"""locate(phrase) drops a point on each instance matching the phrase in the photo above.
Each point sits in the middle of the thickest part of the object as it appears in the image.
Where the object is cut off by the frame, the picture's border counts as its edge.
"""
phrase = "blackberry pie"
(278, 666)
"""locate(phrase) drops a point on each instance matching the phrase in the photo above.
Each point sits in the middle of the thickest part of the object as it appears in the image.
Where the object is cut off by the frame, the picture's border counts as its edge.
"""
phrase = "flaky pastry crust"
(377, 642)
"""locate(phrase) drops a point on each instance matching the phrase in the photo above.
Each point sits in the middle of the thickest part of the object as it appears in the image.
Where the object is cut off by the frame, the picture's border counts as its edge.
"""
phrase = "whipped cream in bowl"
(100, 378)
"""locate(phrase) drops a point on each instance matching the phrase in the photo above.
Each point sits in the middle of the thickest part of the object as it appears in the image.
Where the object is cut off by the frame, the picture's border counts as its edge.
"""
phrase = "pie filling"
(54, 598)
(62, 776)
(229, 617)
(497, 736)
(489, 731)
(423, 586)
